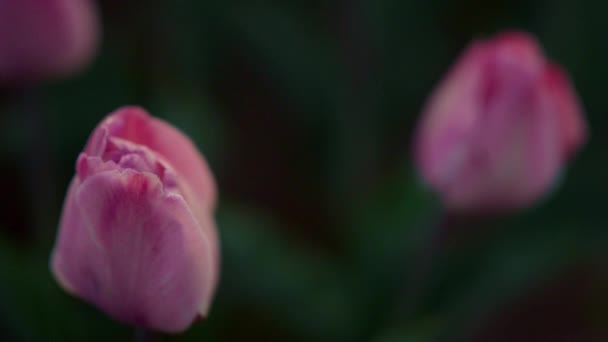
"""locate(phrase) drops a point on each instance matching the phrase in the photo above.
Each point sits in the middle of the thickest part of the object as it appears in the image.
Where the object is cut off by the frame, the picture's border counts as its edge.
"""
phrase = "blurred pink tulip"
(42, 39)
(498, 129)
(137, 236)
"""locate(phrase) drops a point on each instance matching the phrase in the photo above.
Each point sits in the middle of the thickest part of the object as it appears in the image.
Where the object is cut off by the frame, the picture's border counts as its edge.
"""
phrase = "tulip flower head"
(42, 39)
(137, 237)
(499, 128)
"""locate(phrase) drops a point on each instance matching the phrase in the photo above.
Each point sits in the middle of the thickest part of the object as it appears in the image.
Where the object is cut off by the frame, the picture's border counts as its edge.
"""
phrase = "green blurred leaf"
(298, 287)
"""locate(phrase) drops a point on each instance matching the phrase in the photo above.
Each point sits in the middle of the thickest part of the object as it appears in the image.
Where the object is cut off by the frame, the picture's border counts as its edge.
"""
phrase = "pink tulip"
(42, 39)
(137, 236)
(498, 129)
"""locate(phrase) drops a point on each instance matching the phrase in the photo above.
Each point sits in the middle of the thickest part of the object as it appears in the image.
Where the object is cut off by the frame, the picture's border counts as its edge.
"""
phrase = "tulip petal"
(134, 124)
(496, 131)
(567, 107)
(451, 113)
(73, 243)
(196, 181)
(140, 254)
(40, 39)
(512, 157)
(517, 47)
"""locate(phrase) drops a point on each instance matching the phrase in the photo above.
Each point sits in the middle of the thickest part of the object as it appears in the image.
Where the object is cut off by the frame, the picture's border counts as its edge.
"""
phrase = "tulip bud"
(45, 39)
(498, 129)
(137, 236)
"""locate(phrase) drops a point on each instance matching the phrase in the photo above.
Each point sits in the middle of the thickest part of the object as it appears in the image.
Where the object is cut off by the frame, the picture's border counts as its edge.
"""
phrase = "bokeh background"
(305, 110)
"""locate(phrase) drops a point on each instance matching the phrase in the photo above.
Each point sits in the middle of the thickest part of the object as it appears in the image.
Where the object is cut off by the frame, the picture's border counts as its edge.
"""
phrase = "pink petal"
(450, 114)
(194, 176)
(134, 124)
(567, 108)
(518, 47)
(41, 39)
(135, 251)
(494, 134)
(513, 156)
(70, 263)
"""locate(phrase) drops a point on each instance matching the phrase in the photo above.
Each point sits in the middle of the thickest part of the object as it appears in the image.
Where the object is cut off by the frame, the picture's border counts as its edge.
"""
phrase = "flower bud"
(137, 237)
(45, 39)
(498, 129)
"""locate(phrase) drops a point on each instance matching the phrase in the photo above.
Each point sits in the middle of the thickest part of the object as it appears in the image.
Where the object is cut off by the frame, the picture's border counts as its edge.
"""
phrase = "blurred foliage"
(304, 110)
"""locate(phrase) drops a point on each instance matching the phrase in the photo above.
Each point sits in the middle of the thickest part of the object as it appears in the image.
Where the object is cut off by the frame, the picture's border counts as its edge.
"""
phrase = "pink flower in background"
(42, 39)
(498, 129)
(137, 236)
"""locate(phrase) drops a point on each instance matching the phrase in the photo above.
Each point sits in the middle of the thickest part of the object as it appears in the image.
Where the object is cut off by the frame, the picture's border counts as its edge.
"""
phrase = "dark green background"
(304, 110)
